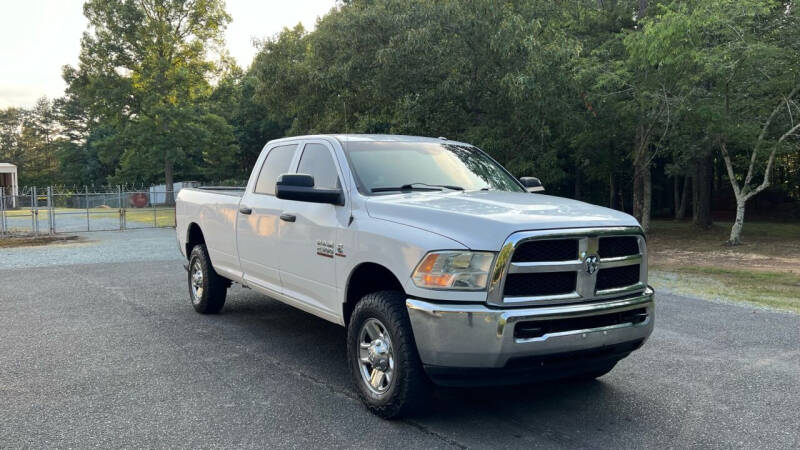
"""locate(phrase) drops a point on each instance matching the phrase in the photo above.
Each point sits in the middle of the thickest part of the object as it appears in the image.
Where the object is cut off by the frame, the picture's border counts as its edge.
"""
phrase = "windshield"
(398, 166)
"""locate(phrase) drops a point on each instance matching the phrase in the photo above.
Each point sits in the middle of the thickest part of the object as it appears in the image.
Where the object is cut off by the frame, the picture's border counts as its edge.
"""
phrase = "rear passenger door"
(309, 245)
(258, 217)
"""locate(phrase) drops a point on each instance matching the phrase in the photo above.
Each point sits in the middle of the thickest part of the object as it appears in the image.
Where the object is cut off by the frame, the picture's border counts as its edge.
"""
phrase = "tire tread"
(216, 286)
(414, 390)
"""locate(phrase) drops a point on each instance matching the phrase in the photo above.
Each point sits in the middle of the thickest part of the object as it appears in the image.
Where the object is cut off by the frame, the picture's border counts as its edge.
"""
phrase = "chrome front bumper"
(476, 336)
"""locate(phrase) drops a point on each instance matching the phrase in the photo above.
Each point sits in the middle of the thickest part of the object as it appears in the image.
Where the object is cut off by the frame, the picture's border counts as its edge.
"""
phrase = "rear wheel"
(383, 356)
(207, 289)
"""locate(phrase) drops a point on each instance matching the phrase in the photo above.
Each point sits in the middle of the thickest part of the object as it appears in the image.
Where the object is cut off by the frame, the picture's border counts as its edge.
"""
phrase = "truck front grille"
(569, 266)
(549, 250)
(617, 277)
(537, 284)
(612, 247)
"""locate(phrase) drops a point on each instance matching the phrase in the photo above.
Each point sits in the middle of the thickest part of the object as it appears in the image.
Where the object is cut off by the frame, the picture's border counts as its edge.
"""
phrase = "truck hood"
(482, 220)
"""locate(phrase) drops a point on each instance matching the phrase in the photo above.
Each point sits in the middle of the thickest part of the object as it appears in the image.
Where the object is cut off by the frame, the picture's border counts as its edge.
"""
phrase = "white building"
(8, 181)
(158, 194)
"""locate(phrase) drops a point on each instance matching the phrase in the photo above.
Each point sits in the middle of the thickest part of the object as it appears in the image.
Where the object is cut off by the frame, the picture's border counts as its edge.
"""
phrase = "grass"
(164, 217)
(138, 218)
(765, 270)
(33, 241)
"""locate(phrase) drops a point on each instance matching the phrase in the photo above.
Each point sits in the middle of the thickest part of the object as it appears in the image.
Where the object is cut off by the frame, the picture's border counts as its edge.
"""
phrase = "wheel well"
(193, 237)
(365, 279)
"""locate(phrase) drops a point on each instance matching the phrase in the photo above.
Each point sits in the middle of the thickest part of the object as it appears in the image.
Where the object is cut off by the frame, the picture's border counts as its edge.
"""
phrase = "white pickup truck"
(444, 268)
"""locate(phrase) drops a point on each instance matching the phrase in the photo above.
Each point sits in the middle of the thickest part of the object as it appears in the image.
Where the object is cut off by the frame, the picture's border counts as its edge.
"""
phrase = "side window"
(276, 164)
(318, 162)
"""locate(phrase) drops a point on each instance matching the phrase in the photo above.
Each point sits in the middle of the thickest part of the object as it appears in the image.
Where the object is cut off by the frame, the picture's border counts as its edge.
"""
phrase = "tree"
(30, 138)
(143, 72)
(752, 91)
(746, 190)
(11, 120)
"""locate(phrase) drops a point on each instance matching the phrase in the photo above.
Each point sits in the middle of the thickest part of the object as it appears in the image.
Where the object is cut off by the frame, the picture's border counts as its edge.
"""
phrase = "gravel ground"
(102, 247)
(99, 347)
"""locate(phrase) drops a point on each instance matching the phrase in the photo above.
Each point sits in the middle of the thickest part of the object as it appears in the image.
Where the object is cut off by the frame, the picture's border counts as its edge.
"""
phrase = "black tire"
(409, 387)
(209, 296)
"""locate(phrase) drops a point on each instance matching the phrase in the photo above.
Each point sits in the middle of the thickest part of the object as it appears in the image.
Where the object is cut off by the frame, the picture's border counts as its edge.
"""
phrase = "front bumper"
(475, 336)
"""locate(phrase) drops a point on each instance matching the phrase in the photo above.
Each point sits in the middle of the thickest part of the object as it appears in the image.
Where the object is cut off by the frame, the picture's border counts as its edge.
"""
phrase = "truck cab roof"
(343, 138)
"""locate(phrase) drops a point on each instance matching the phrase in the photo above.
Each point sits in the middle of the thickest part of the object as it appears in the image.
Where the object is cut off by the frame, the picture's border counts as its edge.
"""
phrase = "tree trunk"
(694, 196)
(702, 192)
(612, 199)
(680, 213)
(578, 192)
(641, 180)
(676, 196)
(169, 183)
(736, 229)
(647, 191)
(638, 193)
(642, 188)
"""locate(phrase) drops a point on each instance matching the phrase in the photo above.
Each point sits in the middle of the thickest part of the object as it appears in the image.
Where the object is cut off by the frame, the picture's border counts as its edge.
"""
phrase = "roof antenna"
(344, 103)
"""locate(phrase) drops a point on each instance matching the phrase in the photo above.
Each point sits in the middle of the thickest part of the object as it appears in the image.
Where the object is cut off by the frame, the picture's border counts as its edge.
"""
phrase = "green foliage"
(582, 94)
(143, 82)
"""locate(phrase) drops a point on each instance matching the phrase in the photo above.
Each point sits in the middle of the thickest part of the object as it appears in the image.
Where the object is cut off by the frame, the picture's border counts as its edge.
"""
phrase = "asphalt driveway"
(99, 347)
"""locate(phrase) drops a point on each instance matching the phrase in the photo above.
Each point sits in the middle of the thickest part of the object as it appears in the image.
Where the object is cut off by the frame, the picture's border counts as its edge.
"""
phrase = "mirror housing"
(532, 184)
(300, 187)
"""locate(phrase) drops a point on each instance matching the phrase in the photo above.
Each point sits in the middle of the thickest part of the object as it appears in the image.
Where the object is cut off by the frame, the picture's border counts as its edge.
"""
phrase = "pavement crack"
(428, 431)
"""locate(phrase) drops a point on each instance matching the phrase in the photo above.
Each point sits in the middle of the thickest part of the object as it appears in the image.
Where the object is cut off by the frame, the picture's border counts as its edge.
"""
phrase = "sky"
(38, 37)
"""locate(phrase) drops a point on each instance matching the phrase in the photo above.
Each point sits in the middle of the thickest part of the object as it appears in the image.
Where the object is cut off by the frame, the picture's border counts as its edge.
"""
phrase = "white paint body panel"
(279, 258)
(481, 220)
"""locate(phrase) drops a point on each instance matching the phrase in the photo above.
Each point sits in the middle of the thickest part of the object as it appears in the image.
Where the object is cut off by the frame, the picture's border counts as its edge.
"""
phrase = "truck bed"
(215, 210)
(224, 190)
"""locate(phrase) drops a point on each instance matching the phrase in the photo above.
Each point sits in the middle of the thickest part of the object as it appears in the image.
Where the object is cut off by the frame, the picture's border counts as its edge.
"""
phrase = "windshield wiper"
(418, 187)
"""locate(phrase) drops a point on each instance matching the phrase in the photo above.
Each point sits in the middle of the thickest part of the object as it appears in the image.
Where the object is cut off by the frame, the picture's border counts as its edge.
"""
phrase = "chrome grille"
(554, 283)
(555, 266)
(617, 277)
(547, 250)
(612, 247)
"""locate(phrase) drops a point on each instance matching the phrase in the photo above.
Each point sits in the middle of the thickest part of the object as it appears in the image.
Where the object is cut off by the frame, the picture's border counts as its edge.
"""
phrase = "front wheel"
(207, 289)
(383, 356)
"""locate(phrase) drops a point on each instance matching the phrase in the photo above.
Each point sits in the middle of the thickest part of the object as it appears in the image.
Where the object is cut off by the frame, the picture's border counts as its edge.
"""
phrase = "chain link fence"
(53, 210)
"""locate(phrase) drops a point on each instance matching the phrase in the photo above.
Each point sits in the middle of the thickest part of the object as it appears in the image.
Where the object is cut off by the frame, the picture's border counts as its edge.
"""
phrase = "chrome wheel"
(375, 356)
(196, 282)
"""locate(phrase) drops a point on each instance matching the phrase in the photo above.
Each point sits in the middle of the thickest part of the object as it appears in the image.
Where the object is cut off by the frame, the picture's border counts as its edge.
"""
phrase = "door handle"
(245, 210)
(288, 217)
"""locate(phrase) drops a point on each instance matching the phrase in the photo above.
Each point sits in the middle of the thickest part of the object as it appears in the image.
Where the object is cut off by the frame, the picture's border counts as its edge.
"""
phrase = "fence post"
(121, 210)
(34, 212)
(153, 205)
(50, 209)
(3, 209)
(86, 201)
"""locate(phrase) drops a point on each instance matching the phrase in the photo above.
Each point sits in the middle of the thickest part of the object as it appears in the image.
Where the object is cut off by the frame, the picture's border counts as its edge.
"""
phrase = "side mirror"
(300, 187)
(532, 184)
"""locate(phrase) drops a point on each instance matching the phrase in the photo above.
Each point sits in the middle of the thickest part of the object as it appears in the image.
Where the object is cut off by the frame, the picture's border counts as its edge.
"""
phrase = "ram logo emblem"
(591, 263)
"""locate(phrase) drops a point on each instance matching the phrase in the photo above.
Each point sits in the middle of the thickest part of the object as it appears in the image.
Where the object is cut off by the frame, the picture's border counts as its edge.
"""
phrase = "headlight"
(453, 270)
